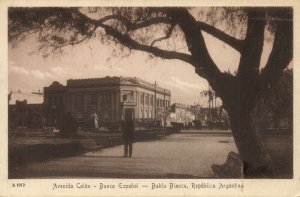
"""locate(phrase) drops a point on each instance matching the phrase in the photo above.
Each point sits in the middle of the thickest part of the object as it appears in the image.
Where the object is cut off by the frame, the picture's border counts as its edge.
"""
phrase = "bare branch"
(131, 26)
(132, 44)
(230, 40)
(78, 41)
(149, 22)
(134, 26)
(170, 30)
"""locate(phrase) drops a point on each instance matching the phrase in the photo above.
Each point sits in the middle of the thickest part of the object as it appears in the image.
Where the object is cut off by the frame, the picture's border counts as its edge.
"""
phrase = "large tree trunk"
(240, 100)
(256, 160)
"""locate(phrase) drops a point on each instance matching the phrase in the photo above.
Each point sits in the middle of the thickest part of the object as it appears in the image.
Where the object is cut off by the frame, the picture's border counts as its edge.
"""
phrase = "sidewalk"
(207, 131)
(174, 156)
(24, 150)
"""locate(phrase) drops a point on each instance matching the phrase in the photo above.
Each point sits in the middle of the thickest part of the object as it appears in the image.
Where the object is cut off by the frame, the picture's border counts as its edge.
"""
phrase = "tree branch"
(131, 26)
(149, 22)
(282, 51)
(132, 44)
(230, 40)
(202, 61)
(170, 30)
(78, 41)
(251, 54)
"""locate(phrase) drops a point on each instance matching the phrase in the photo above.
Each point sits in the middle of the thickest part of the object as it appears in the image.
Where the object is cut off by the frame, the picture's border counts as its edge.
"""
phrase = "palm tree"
(211, 98)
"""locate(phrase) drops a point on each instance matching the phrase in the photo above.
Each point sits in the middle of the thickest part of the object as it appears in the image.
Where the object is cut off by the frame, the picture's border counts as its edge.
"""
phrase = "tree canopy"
(153, 29)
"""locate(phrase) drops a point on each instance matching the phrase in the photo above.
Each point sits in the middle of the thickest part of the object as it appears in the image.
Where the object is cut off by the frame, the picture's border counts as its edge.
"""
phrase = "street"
(188, 154)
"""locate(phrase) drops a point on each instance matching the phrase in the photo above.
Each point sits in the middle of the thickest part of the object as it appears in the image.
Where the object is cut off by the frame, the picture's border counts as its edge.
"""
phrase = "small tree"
(211, 99)
(165, 114)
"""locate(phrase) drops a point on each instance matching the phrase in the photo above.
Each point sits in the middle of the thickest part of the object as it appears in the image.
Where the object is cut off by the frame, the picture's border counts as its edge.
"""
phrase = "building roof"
(179, 105)
(31, 98)
(113, 81)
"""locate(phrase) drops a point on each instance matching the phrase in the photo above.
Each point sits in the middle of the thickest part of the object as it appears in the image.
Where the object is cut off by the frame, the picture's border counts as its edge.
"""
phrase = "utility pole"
(210, 97)
(155, 101)
(164, 98)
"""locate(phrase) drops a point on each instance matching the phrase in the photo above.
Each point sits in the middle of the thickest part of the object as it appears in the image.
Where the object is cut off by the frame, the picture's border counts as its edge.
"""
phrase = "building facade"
(181, 114)
(106, 99)
(24, 115)
(211, 117)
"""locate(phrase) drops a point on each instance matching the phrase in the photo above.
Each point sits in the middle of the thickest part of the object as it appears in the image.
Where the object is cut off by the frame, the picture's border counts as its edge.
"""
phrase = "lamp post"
(122, 106)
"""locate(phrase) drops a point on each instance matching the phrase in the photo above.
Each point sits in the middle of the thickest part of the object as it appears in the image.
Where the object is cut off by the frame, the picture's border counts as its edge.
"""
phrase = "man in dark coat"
(128, 130)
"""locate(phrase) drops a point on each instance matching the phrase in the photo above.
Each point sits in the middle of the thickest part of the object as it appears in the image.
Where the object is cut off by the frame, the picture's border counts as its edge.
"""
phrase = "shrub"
(67, 124)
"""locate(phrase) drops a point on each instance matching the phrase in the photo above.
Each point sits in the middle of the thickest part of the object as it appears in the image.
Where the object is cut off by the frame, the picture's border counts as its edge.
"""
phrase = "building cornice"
(115, 81)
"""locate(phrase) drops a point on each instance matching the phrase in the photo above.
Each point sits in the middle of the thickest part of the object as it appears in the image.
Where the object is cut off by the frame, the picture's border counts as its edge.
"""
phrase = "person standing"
(128, 130)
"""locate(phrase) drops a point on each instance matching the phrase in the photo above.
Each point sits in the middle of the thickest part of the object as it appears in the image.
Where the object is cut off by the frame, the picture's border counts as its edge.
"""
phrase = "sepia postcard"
(149, 98)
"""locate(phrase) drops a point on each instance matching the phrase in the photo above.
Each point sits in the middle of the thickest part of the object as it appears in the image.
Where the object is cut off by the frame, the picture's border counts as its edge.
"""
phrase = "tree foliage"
(154, 29)
(276, 102)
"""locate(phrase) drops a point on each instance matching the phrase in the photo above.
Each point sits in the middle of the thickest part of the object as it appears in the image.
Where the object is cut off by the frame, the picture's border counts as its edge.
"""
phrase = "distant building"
(106, 99)
(199, 112)
(205, 116)
(181, 114)
(24, 115)
(21, 95)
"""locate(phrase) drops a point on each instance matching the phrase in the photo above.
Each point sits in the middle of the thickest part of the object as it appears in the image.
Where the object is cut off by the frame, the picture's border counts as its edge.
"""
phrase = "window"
(92, 99)
(142, 114)
(142, 99)
(106, 98)
(106, 114)
(79, 99)
(50, 100)
(151, 100)
(54, 100)
(79, 109)
(60, 100)
(100, 98)
(147, 99)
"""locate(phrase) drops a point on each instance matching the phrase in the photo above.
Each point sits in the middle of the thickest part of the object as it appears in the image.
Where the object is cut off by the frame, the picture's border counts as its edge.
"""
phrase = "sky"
(29, 71)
